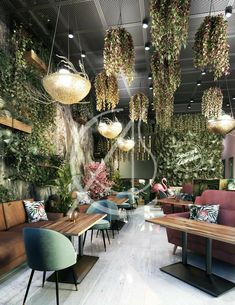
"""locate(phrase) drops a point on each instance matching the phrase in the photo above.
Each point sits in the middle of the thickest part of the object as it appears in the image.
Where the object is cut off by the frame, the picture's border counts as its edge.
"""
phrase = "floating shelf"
(32, 58)
(15, 124)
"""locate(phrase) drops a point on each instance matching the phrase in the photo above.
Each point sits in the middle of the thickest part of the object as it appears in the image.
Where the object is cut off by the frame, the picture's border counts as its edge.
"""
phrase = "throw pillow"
(208, 213)
(35, 211)
(193, 211)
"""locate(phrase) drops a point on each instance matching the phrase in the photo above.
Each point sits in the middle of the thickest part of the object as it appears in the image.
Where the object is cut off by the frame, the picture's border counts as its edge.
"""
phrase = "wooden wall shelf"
(15, 124)
(32, 58)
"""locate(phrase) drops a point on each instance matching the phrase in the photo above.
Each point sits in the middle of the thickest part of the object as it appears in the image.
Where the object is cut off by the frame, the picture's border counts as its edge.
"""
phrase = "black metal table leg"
(184, 247)
(208, 256)
(80, 245)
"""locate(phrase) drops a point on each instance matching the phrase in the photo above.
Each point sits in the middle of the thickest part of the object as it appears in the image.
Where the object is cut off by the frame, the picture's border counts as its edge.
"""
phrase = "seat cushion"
(101, 225)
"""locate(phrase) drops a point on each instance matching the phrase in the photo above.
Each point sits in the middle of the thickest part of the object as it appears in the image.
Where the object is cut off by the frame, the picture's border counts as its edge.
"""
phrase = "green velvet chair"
(103, 207)
(48, 250)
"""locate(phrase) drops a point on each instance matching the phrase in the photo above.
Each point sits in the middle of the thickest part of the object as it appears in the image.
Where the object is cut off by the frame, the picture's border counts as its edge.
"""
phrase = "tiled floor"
(127, 274)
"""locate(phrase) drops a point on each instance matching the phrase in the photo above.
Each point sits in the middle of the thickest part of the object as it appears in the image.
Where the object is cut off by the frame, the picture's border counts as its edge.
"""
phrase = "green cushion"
(101, 225)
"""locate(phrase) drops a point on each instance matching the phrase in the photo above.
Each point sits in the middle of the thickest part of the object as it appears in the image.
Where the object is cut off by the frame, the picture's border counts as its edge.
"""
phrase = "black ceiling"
(90, 18)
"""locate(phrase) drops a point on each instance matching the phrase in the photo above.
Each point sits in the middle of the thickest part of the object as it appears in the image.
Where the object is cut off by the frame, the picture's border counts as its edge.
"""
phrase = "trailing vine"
(139, 107)
(169, 27)
(119, 53)
(211, 49)
(212, 102)
(106, 89)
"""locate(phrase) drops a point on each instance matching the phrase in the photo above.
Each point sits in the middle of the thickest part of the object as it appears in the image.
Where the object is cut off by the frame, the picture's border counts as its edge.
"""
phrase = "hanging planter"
(106, 88)
(212, 102)
(110, 129)
(169, 28)
(211, 49)
(138, 107)
(119, 54)
(166, 79)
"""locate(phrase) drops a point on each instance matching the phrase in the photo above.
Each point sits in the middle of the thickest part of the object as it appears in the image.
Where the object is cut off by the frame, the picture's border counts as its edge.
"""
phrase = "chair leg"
(107, 233)
(174, 249)
(74, 278)
(117, 227)
(29, 283)
(84, 239)
(103, 239)
(113, 233)
(97, 233)
(57, 287)
(43, 278)
(92, 234)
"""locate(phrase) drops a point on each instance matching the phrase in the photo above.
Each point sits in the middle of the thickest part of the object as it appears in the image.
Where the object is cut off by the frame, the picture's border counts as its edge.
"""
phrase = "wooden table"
(84, 262)
(118, 201)
(194, 276)
(173, 202)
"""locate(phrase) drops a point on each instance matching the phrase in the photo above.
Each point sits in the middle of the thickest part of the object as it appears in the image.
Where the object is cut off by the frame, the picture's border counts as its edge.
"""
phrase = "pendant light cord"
(229, 99)
(53, 41)
(210, 7)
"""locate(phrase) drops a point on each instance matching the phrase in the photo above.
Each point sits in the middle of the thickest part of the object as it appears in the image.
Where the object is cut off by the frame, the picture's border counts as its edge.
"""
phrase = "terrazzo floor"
(127, 274)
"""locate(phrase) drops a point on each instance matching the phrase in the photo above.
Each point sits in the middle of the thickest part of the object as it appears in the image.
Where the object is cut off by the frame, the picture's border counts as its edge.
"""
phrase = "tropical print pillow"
(35, 211)
(208, 213)
(193, 211)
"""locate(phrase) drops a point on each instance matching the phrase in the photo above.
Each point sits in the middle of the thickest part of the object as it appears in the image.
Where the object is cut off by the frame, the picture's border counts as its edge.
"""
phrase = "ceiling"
(90, 18)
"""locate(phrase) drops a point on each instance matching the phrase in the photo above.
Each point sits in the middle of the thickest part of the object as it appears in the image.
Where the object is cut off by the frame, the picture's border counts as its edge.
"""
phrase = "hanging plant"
(211, 49)
(193, 122)
(106, 88)
(166, 79)
(169, 28)
(212, 102)
(138, 107)
(119, 54)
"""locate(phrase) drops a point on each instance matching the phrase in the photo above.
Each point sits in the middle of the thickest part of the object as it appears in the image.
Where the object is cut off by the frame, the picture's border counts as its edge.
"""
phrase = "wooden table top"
(208, 230)
(118, 201)
(173, 201)
(83, 223)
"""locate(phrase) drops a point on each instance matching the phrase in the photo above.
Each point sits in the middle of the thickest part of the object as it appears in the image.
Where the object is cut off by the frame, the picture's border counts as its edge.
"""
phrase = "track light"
(151, 87)
(150, 76)
(189, 106)
(191, 100)
(199, 82)
(83, 54)
(203, 72)
(228, 11)
(147, 46)
(145, 23)
(70, 34)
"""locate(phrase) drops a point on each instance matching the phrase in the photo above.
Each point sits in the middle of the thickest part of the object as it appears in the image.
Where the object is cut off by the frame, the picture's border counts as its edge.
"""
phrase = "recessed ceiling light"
(189, 106)
(150, 76)
(203, 72)
(83, 54)
(233, 98)
(151, 87)
(199, 82)
(70, 34)
(228, 11)
(145, 23)
(227, 104)
(191, 100)
(147, 46)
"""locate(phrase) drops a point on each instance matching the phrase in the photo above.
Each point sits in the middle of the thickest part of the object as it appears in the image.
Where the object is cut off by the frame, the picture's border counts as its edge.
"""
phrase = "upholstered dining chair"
(48, 250)
(103, 207)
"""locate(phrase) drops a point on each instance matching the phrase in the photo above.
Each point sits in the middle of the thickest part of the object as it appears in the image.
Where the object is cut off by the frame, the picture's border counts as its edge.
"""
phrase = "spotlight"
(145, 23)
(191, 100)
(227, 104)
(203, 72)
(83, 54)
(199, 82)
(150, 76)
(70, 34)
(233, 98)
(151, 87)
(228, 11)
(189, 106)
(147, 46)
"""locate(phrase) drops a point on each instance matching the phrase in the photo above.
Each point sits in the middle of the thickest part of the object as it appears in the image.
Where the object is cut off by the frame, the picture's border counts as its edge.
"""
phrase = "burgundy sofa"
(12, 221)
(220, 250)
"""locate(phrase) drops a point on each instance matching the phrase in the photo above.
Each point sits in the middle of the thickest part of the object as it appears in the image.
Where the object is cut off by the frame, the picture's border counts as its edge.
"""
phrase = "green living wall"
(187, 151)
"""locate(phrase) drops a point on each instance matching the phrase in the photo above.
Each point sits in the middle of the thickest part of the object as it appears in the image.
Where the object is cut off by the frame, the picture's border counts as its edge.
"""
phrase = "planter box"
(15, 124)
(54, 215)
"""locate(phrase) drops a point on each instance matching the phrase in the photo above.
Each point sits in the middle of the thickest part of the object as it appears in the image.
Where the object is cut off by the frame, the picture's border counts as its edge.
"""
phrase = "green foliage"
(184, 156)
(5, 194)
(117, 181)
(63, 186)
(32, 157)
